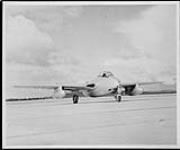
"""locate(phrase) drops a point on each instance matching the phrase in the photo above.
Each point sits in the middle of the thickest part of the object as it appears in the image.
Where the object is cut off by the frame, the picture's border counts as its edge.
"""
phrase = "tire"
(75, 99)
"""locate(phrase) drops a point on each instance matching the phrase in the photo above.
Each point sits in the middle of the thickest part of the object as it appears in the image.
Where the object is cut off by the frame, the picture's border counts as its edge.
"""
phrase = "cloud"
(38, 32)
(50, 19)
(153, 37)
(25, 43)
(140, 69)
(62, 58)
(31, 53)
(154, 31)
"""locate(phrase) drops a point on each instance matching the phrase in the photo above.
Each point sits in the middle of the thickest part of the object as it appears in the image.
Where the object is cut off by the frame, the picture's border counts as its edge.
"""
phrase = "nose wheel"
(75, 99)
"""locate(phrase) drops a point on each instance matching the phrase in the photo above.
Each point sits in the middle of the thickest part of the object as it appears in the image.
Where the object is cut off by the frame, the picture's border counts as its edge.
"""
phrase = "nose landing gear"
(120, 92)
(75, 99)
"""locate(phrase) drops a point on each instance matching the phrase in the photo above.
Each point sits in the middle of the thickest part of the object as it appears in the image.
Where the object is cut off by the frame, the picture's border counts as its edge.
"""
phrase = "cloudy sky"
(71, 44)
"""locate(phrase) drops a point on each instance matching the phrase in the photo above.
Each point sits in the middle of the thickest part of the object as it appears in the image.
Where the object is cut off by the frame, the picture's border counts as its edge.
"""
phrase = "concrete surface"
(137, 120)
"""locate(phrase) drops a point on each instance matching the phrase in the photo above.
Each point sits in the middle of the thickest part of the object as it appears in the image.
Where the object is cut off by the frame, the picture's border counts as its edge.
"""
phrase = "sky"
(55, 44)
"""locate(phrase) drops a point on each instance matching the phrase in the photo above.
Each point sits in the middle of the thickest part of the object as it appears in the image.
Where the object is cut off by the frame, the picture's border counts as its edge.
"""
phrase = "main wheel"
(75, 99)
(119, 98)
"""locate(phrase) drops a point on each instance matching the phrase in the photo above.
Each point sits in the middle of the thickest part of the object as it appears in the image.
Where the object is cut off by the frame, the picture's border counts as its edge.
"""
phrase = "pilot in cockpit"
(105, 74)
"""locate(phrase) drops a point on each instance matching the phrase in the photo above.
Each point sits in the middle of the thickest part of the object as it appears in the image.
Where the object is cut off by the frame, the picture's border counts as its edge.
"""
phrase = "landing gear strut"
(75, 99)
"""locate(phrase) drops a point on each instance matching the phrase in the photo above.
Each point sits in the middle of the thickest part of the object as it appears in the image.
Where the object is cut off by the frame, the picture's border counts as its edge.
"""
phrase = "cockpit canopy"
(105, 74)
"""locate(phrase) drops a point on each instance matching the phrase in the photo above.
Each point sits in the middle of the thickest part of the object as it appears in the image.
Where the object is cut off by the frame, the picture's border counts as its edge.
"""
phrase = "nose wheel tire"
(75, 99)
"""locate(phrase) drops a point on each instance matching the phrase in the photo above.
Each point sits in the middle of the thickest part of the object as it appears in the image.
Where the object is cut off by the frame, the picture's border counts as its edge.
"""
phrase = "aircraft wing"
(130, 87)
(70, 90)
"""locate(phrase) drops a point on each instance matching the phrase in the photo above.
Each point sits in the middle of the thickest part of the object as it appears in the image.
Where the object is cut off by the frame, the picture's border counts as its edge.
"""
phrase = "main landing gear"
(75, 99)
(118, 98)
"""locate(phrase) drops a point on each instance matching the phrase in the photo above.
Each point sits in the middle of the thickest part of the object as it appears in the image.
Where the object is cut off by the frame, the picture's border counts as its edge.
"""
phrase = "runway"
(137, 120)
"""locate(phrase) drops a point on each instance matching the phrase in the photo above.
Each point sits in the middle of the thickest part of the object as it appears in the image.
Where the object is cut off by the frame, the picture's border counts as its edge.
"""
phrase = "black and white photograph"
(91, 74)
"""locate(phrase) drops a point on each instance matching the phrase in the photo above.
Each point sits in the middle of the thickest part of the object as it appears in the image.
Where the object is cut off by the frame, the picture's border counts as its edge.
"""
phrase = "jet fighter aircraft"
(105, 84)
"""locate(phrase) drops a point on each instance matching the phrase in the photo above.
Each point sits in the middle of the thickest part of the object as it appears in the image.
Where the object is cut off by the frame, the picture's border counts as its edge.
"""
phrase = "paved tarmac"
(137, 120)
